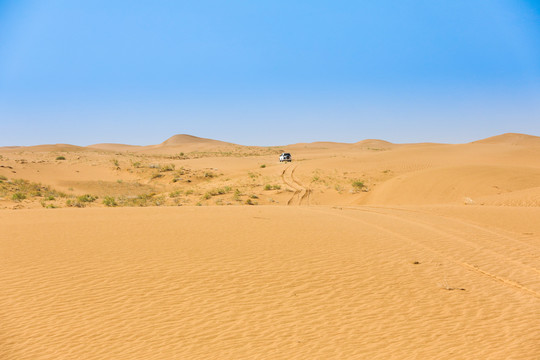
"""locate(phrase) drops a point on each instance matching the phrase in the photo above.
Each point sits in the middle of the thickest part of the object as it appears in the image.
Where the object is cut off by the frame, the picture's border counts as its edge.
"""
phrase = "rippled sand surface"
(270, 282)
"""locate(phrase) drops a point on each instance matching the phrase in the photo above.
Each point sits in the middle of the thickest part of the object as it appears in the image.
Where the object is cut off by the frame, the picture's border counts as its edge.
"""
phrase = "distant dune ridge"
(190, 141)
(184, 139)
(202, 249)
(512, 139)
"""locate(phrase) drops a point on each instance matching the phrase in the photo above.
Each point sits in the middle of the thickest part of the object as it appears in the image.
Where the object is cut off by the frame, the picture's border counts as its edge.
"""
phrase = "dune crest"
(184, 139)
(374, 143)
(114, 147)
(511, 139)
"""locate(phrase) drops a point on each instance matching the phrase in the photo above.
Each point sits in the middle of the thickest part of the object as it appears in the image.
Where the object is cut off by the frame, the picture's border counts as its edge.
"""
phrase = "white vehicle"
(285, 157)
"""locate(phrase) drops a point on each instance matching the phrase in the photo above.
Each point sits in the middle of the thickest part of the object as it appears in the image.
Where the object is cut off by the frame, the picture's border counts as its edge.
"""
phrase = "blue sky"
(267, 72)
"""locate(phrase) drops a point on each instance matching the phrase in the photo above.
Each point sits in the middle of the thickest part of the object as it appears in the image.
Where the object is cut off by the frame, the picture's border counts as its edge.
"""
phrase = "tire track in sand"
(304, 192)
(444, 246)
(301, 195)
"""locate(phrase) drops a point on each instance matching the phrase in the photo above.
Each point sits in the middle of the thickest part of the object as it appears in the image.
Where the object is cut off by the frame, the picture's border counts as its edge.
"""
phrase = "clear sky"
(267, 72)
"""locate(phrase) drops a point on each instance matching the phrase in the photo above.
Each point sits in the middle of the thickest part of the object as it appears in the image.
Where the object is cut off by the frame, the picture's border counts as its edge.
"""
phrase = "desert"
(197, 248)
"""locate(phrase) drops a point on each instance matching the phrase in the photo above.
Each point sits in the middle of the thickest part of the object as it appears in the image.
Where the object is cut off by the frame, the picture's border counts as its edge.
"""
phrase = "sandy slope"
(266, 282)
(370, 250)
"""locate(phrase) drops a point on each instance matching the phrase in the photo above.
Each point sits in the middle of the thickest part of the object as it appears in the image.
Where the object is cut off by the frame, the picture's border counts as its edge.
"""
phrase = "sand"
(436, 256)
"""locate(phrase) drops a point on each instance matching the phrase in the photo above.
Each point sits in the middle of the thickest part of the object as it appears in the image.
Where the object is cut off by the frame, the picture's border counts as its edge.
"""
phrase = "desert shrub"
(254, 196)
(237, 195)
(86, 198)
(272, 187)
(165, 168)
(174, 194)
(189, 192)
(3, 178)
(250, 202)
(60, 158)
(116, 163)
(223, 190)
(263, 166)
(18, 196)
(109, 201)
(75, 203)
(156, 175)
(358, 185)
(47, 205)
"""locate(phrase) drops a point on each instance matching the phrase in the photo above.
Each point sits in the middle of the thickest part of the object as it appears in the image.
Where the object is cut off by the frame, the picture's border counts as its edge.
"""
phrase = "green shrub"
(86, 198)
(109, 201)
(73, 203)
(237, 195)
(60, 158)
(358, 185)
(272, 187)
(207, 196)
(47, 206)
(3, 178)
(263, 166)
(18, 196)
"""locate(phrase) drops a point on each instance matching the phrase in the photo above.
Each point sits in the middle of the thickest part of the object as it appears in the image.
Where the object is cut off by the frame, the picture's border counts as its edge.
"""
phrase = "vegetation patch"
(18, 196)
(20, 189)
(358, 185)
(109, 201)
(86, 198)
(250, 202)
(166, 168)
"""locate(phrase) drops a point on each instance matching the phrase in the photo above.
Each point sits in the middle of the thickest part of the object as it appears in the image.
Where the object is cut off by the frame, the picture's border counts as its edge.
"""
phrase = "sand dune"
(183, 139)
(46, 148)
(512, 139)
(454, 184)
(201, 249)
(374, 143)
(115, 147)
